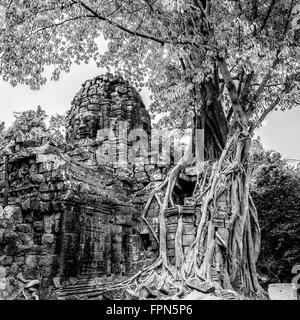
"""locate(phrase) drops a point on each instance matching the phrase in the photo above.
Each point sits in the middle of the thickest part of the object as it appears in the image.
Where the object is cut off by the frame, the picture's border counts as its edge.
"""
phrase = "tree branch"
(150, 4)
(242, 76)
(120, 27)
(287, 88)
(254, 13)
(228, 80)
(267, 77)
(270, 9)
(159, 40)
(231, 87)
(265, 113)
(56, 25)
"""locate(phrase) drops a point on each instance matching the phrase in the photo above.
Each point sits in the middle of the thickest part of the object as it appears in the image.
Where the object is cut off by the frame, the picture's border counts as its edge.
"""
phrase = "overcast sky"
(281, 130)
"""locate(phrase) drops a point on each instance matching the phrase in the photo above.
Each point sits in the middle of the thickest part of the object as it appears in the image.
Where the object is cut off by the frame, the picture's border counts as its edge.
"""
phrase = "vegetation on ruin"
(35, 123)
(221, 65)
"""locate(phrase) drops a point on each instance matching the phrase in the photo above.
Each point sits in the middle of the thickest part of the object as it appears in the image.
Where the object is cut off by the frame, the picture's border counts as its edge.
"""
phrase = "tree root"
(234, 256)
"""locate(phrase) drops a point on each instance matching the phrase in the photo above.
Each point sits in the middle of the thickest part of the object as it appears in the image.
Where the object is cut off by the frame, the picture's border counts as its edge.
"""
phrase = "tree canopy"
(226, 64)
(248, 51)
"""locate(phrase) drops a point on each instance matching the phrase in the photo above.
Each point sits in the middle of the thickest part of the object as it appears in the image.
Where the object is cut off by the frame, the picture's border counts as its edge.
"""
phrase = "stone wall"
(66, 216)
(64, 220)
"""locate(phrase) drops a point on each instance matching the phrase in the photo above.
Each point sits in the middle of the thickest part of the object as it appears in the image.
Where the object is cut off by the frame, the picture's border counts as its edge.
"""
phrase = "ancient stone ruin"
(67, 220)
(70, 222)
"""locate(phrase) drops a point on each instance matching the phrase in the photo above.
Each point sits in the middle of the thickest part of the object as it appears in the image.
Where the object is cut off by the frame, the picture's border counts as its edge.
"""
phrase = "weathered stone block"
(189, 229)
(172, 228)
(57, 222)
(28, 249)
(36, 205)
(117, 238)
(2, 212)
(30, 269)
(171, 236)
(116, 229)
(171, 252)
(45, 187)
(45, 207)
(26, 205)
(57, 206)
(20, 260)
(150, 167)
(6, 261)
(38, 226)
(48, 239)
(45, 167)
(219, 223)
(188, 239)
(171, 244)
(138, 200)
(9, 236)
(24, 228)
(48, 223)
(37, 178)
(60, 186)
(14, 213)
(117, 248)
(26, 239)
(47, 196)
(14, 270)
(38, 215)
(157, 176)
(123, 220)
(46, 271)
(141, 177)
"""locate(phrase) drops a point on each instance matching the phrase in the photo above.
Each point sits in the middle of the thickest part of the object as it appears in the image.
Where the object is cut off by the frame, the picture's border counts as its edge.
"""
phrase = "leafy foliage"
(276, 193)
(25, 121)
(2, 133)
(174, 47)
(31, 125)
(57, 128)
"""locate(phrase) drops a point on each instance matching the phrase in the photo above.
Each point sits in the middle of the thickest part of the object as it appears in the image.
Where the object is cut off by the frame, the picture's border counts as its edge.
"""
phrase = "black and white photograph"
(149, 153)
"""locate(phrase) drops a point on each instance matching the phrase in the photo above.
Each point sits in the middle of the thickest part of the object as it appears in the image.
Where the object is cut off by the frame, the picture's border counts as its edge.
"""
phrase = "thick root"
(233, 257)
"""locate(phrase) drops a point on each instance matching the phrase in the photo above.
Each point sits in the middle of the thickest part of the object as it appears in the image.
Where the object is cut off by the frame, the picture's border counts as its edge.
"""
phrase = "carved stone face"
(85, 125)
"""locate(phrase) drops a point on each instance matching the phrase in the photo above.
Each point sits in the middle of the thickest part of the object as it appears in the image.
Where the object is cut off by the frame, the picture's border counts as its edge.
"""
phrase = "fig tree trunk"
(231, 252)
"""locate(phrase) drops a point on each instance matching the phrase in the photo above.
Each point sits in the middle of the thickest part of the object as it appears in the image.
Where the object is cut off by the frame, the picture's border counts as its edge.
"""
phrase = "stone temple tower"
(102, 104)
